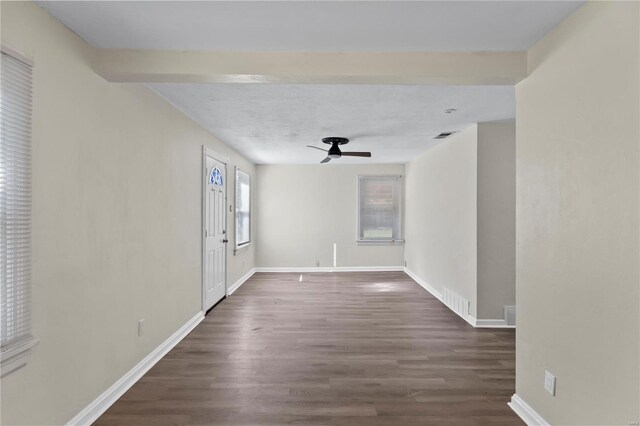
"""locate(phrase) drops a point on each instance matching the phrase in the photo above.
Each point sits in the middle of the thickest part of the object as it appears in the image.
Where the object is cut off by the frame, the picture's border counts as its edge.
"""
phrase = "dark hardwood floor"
(334, 349)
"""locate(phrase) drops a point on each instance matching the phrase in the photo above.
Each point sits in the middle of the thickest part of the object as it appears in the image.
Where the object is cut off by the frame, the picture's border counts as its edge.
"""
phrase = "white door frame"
(203, 200)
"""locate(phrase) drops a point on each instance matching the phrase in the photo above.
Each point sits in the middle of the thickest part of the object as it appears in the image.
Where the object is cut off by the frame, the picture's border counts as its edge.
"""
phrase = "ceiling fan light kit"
(334, 152)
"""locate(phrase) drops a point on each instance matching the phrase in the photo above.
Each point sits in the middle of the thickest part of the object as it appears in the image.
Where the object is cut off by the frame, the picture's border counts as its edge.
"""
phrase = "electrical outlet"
(141, 327)
(405, 263)
(317, 263)
(243, 265)
(550, 382)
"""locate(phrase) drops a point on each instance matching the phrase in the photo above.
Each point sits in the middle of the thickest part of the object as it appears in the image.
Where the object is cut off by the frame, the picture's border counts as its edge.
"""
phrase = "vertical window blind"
(243, 208)
(379, 200)
(15, 206)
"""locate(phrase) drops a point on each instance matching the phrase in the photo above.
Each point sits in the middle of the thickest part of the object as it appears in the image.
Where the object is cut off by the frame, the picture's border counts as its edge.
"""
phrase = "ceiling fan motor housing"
(334, 151)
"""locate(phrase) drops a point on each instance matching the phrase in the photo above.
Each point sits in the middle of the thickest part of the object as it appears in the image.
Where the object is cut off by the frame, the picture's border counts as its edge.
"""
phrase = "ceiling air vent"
(444, 135)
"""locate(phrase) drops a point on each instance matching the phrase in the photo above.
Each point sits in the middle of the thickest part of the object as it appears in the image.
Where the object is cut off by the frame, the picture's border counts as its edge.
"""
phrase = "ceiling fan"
(335, 152)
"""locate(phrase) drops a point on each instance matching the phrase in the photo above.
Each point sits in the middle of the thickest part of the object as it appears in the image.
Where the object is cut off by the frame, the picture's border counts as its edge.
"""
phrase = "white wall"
(116, 223)
(577, 219)
(460, 217)
(304, 210)
(441, 215)
(496, 218)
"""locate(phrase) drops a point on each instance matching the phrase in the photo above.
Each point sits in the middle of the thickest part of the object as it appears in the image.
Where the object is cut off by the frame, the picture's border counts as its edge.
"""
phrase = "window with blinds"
(379, 199)
(15, 211)
(243, 208)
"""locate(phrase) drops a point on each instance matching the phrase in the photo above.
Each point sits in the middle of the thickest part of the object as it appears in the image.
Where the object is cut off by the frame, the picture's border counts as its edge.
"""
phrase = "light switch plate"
(550, 382)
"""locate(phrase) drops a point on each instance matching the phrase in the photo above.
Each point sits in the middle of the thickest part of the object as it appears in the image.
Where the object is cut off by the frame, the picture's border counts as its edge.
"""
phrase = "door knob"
(225, 241)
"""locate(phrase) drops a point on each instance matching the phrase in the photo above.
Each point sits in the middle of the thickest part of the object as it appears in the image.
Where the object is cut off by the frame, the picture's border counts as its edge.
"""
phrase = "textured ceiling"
(271, 123)
(312, 25)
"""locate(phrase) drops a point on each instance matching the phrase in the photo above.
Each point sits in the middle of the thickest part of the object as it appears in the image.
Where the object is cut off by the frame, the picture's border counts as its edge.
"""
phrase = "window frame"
(381, 242)
(15, 354)
(240, 246)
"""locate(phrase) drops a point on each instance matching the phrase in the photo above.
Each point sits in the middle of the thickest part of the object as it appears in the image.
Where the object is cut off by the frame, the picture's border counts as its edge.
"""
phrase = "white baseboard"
(478, 323)
(423, 284)
(241, 281)
(94, 410)
(331, 269)
(526, 413)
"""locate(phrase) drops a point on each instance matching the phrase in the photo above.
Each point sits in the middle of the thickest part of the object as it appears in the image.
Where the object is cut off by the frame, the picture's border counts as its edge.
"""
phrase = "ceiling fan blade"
(326, 160)
(315, 147)
(356, 154)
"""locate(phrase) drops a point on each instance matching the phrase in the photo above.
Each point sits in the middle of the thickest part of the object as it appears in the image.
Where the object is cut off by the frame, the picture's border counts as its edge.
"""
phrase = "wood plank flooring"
(343, 348)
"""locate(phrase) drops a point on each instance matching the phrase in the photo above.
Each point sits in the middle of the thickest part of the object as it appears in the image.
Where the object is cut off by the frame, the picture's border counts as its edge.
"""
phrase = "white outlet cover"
(550, 382)
(141, 327)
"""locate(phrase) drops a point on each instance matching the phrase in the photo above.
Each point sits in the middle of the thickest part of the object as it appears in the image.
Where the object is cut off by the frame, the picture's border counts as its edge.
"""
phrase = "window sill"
(380, 242)
(15, 355)
(242, 248)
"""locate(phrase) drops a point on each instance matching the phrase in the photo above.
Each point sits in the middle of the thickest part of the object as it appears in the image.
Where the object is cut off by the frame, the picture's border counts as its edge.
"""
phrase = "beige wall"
(116, 223)
(577, 219)
(440, 211)
(496, 218)
(304, 210)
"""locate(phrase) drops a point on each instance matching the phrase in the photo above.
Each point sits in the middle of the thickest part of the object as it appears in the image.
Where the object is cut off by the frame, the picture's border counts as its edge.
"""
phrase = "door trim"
(203, 201)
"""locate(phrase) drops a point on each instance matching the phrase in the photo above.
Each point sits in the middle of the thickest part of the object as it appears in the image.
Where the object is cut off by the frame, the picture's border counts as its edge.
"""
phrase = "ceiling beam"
(435, 68)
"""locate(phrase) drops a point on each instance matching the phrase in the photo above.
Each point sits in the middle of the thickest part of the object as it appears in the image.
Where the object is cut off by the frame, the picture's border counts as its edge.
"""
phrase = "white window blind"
(379, 199)
(15, 210)
(243, 208)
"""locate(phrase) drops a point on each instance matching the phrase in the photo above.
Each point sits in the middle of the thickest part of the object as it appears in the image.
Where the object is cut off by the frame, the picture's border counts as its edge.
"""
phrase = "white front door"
(215, 232)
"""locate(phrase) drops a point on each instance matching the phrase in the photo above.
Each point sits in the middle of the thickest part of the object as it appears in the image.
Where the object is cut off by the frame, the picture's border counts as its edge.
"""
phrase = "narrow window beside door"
(15, 212)
(243, 208)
